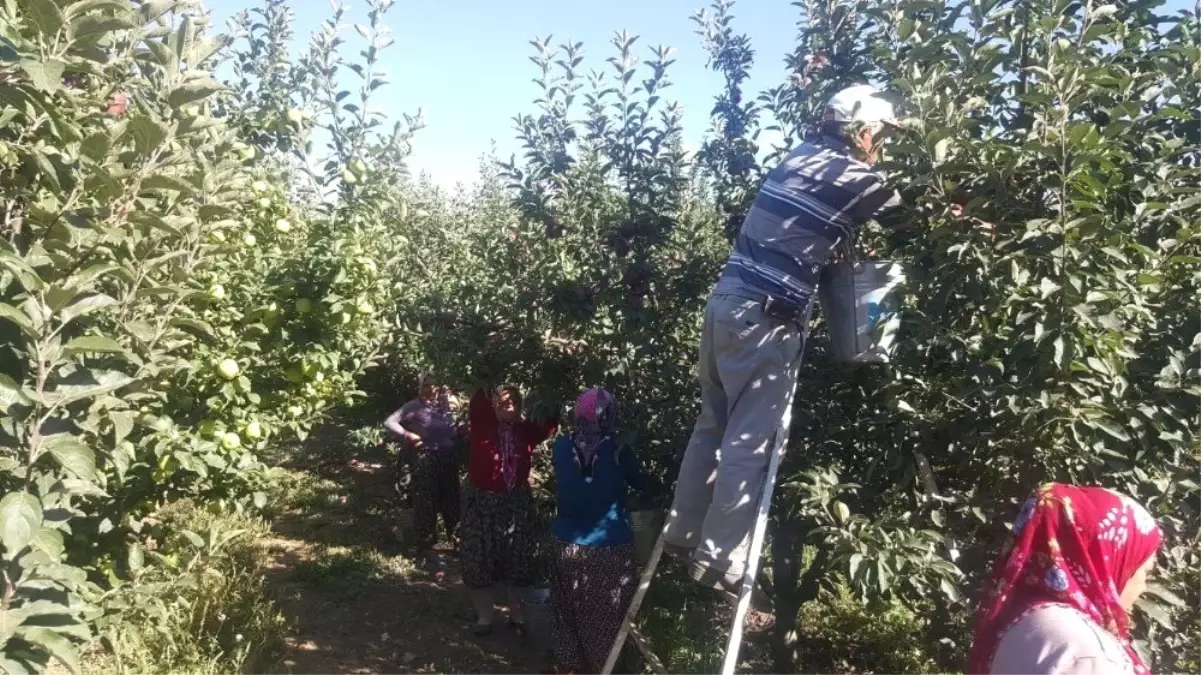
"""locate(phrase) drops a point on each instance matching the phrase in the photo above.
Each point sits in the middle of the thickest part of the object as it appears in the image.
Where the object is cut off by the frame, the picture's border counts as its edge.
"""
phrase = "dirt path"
(357, 604)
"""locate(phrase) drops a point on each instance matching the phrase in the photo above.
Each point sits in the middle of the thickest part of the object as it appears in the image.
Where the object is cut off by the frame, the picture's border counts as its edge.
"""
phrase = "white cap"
(861, 103)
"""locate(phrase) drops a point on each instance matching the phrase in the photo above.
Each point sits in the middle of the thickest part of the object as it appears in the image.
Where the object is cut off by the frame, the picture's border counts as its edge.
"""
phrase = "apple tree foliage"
(194, 264)
(1049, 166)
(183, 277)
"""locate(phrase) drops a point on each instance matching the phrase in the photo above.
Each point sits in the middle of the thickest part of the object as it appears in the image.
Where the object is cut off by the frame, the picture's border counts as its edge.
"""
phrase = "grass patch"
(299, 492)
(201, 606)
(839, 634)
(349, 572)
(346, 572)
(686, 623)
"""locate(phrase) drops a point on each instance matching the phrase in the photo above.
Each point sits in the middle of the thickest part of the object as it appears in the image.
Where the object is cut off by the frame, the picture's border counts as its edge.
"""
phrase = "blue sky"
(465, 62)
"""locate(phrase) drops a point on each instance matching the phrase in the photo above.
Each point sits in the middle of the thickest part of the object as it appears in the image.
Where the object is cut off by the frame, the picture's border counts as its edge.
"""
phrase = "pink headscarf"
(595, 418)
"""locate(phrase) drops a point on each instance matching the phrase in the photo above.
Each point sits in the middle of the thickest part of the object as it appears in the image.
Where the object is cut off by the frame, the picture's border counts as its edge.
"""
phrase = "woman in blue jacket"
(593, 575)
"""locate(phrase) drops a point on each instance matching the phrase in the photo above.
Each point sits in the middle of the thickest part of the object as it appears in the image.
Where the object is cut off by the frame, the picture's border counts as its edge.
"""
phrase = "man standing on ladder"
(755, 326)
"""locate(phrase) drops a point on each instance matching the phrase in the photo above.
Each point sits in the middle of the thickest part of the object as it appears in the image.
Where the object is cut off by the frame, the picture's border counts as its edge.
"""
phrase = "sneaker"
(729, 586)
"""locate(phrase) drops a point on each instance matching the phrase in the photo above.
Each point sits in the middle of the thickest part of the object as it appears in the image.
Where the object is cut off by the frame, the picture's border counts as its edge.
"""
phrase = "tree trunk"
(792, 589)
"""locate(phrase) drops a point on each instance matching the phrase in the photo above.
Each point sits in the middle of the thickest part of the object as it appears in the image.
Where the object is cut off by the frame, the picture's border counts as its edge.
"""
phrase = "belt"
(782, 310)
(775, 307)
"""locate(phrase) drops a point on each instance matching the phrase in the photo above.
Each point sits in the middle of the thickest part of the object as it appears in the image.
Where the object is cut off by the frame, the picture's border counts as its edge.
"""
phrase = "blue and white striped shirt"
(817, 198)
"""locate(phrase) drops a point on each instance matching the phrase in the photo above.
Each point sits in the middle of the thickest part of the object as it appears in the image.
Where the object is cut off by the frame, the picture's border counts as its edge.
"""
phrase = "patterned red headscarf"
(1075, 546)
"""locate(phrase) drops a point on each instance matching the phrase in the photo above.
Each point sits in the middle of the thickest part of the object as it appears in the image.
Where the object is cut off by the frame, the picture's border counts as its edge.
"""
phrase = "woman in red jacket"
(497, 534)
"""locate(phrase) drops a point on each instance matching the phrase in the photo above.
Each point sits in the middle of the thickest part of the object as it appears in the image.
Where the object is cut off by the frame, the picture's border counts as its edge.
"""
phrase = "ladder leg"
(754, 555)
(644, 646)
(636, 602)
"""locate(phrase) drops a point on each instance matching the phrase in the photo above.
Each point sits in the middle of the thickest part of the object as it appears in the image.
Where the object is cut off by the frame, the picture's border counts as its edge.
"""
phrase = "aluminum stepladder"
(748, 579)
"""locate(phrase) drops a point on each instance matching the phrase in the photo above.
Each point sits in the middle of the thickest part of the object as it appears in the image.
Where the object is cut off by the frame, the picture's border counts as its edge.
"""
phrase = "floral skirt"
(435, 493)
(497, 537)
(591, 588)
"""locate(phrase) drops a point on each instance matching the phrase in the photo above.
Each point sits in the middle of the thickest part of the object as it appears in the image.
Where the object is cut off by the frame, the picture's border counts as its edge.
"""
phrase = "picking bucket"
(861, 302)
(646, 524)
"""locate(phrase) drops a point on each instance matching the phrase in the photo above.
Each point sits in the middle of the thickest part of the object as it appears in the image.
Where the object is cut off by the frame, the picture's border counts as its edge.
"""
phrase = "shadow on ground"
(357, 602)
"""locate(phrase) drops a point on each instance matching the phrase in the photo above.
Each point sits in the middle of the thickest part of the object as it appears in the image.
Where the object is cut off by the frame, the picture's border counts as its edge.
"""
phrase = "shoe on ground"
(728, 585)
(481, 629)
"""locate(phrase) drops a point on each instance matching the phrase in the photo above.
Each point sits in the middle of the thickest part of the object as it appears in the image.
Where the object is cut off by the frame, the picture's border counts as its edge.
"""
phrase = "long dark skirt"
(435, 491)
(591, 588)
(497, 537)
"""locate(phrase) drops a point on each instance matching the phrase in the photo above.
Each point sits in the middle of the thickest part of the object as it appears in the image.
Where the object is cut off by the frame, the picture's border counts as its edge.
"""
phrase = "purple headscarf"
(595, 418)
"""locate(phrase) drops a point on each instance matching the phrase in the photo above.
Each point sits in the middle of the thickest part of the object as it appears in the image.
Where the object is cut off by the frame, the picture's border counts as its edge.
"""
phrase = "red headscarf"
(1075, 546)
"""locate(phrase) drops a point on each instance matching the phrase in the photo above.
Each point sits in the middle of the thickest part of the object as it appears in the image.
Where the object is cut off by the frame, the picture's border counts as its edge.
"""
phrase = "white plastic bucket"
(862, 307)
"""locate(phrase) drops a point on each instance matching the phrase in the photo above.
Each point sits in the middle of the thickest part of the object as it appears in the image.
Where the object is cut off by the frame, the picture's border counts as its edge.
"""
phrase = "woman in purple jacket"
(429, 433)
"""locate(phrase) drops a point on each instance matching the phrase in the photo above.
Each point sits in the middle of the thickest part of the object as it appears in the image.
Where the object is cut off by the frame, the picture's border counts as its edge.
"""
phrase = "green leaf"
(95, 27)
(854, 563)
(193, 91)
(136, 559)
(96, 146)
(46, 168)
(93, 343)
(1154, 611)
(193, 538)
(49, 541)
(18, 317)
(20, 518)
(58, 646)
(85, 306)
(841, 511)
(122, 424)
(883, 576)
(90, 274)
(11, 393)
(141, 330)
(72, 454)
(165, 182)
(194, 325)
(84, 384)
(1167, 596)
(46, 15)
(20, 269)
(10, 620)
(148, 134)
(21, 663)
(84, 6)
(152, 10)
(1111, 429)
(45, 75)
(949, 589)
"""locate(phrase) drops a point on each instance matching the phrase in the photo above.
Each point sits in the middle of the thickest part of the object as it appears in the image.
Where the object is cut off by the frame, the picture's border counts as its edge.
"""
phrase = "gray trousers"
(748, 371)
